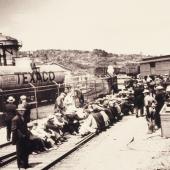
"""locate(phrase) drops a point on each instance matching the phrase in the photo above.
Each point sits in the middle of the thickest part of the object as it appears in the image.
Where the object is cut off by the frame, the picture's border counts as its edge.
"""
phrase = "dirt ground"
(131, 143)
(124, 146)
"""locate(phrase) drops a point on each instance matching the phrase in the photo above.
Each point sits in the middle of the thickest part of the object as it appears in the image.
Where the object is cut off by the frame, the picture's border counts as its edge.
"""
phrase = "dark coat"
(10, 111)
(21, 139)
(27, 112)
(19, 129)
(139, 97)
(160, 98)
(99, 120)
(109, 114)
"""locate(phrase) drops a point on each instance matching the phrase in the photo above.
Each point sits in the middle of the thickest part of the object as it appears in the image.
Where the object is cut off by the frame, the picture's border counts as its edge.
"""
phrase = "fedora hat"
(23, 97)
(159, 88)
(10, 99)
(146, 91)
(20, 107)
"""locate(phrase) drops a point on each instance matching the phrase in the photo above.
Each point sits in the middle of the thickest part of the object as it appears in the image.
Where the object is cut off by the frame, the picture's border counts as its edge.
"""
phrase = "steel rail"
(76, 147)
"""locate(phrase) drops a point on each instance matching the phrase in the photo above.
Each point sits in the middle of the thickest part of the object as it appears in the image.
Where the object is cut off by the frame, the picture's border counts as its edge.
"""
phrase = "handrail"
(51, 85)
(58, 89)
(35, 93)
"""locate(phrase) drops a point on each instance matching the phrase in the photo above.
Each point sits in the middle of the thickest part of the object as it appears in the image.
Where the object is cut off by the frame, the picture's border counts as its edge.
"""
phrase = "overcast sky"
(118, 26)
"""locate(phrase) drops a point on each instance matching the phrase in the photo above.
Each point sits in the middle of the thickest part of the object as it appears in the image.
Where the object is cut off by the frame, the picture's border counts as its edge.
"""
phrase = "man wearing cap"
(148, 100)
(150, 113)
(10, 112)
(79, 97)
(27, 107)
(20, 137)
(138, 100)
(59, 104)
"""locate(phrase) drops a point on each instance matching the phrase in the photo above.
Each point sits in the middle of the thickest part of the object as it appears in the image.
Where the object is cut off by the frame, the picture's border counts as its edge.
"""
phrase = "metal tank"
(19, 80)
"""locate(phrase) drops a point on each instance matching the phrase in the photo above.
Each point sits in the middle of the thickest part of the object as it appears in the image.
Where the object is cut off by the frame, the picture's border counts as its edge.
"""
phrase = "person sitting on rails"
(116, 109)
(70, 113)
(9, 114)
(27, 106)
(103, 113)
(98, 117)
(54, 126)
(59, 103)
(61, 123)
(106, 104)
(89, 124)
(39, 131)
(36, 143)
(125, 106)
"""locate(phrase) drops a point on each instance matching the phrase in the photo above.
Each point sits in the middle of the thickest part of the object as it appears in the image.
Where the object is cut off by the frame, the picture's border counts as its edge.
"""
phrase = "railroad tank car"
(46, 84)
(19, 80)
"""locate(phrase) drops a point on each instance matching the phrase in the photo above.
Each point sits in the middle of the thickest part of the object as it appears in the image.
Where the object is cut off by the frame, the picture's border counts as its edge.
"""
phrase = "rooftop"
(155, 59)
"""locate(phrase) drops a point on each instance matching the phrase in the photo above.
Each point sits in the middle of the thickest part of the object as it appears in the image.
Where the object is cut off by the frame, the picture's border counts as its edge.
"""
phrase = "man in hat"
(148, 100)
(27, 107)
(10, 112)
(160, 99)
(138, 100)
(79, 97)
(59, 103)
(20, 137)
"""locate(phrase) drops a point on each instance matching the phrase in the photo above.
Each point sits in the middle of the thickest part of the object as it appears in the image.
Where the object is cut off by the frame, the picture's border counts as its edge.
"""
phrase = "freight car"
(93, 87)
(102, 72)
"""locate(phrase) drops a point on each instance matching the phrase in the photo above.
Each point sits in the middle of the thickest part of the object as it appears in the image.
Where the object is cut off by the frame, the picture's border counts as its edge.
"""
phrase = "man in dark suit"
(20, 137)
(10, 112)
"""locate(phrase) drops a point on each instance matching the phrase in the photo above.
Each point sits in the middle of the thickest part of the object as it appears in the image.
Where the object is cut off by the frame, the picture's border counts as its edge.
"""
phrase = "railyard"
(84, 85)
(125, 145)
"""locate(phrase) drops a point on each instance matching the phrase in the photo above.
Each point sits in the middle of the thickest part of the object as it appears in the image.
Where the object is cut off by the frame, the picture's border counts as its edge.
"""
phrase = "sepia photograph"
(84, 84)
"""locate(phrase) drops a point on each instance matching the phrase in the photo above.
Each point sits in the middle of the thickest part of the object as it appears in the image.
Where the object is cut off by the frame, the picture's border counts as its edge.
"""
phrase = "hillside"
(81, 61)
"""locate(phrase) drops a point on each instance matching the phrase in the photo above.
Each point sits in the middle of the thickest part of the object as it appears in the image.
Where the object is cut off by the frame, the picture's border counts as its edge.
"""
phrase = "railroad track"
(8, 159)
(73, 149)
(5, 144)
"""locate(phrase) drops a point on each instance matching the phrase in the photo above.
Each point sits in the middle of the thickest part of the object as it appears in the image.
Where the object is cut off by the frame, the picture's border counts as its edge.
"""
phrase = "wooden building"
(155, 65)
(8, 50)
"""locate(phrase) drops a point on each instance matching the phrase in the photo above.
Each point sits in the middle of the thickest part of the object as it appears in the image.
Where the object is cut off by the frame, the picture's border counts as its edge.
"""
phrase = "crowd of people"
(150, 94)
(72, 115)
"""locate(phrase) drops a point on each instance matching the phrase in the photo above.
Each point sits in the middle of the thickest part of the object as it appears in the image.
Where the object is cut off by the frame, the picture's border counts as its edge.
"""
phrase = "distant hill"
(81, 61)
